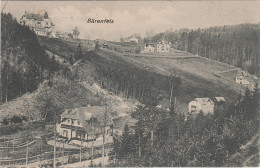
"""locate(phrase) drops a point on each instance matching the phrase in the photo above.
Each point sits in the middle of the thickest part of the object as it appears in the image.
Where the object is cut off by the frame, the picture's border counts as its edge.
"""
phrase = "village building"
(204, 105)
(163, 47)
(39, 22)
(148, 48)
(245, 79)
(242, 78)
(83, 125)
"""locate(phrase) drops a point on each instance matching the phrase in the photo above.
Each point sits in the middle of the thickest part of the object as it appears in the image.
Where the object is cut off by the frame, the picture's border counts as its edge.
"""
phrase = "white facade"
(205, 105)
(163, 47)
(148, 48)
(81, 125)
(40, 23)
(240, 79)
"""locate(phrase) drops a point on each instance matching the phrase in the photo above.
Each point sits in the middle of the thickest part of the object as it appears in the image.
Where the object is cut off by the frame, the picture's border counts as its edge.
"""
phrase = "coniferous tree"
(125, 142)
(79, 53)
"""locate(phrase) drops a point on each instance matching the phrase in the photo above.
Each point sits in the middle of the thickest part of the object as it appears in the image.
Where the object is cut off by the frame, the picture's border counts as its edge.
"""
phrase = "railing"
(71, 127)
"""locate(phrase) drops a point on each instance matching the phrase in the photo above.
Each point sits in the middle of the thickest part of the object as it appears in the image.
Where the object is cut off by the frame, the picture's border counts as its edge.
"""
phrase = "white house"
(148, 48)
(163, 47)
(40, 23)
(241, 78)
(205, 105)
(83, 125)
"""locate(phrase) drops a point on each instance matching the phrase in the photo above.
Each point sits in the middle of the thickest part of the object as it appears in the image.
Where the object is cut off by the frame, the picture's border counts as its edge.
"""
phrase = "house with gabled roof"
(39, 22)
(204, 105)
(84, 124)
(242, 78)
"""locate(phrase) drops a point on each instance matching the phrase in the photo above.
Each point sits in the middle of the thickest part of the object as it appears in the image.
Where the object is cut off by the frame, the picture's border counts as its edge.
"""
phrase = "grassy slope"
(196, 73)
(60, 47)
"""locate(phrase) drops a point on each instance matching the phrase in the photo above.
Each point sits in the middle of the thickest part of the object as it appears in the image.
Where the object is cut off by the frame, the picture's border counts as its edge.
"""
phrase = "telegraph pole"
(139, 146)
(80, 148)
(63, 150)
(92, 150)
(54, 156)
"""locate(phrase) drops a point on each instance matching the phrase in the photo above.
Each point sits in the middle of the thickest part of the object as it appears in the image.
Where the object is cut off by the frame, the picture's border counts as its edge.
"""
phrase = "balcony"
(72, 127)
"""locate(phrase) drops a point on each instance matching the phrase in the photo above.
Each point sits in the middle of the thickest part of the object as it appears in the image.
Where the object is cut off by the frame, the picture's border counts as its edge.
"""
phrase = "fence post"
(63, 151)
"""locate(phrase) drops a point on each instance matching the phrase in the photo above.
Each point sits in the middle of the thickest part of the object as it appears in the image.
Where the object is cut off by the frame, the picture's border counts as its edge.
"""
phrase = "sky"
(138, 16)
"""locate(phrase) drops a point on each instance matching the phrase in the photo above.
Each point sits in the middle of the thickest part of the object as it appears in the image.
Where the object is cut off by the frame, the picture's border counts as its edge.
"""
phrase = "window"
(65, 133)
(68, 120)
(72, 121)
(78, 122)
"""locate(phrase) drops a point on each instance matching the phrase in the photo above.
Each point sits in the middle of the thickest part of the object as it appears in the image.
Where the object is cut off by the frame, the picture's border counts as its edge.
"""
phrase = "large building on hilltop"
(39, 22)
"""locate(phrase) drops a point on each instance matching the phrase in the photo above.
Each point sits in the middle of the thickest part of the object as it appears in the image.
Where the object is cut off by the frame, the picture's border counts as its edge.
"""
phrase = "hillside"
(237, 45)
(197, 75)
(24, 64)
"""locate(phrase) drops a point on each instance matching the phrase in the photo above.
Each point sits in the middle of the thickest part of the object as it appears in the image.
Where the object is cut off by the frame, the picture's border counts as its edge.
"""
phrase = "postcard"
(130, 83)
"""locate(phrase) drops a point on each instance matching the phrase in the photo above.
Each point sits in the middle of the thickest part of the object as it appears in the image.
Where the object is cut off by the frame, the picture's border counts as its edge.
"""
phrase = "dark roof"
(85, 114)
(149, 44)
(36, 16)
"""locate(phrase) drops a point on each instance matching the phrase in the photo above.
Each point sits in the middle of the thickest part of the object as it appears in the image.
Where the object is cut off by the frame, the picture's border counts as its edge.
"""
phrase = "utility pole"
(27, 145)
(103, 147)
(80, 148)
(104, 132)
(139, 145)
(92, 150)
(63, 150)
(40, 155)
(54, 156)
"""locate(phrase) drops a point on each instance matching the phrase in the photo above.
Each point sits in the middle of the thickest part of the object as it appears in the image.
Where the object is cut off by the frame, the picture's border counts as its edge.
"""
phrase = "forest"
(24, 63)
(237, 45)
(172, 139)
(128, 81)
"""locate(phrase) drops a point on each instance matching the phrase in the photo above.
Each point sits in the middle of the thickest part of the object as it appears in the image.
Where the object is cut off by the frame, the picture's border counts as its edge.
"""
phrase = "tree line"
(236, 45)
(134, 83)
(173, 139)
(24, 62)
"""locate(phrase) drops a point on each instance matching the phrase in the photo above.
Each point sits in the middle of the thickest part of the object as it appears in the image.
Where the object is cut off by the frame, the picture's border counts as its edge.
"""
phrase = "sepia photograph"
(112, 83)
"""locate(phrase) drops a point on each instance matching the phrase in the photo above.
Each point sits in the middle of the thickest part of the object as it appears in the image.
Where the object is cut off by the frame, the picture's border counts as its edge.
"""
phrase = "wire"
(4, 6)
